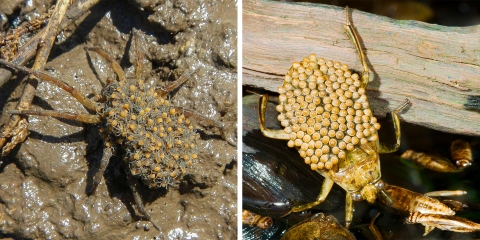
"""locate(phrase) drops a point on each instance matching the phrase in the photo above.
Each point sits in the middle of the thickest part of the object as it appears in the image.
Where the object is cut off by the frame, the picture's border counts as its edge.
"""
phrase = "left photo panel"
(118, 119)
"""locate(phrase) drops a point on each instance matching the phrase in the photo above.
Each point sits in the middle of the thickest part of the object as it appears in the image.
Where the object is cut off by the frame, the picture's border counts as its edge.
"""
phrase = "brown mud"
(43, 182)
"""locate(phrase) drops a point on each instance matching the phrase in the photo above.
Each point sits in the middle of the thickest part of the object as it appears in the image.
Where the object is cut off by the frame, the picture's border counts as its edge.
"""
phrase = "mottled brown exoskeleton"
(327, 117)
(253, 219)
(461, 158)
(428, 211)
(157, 139)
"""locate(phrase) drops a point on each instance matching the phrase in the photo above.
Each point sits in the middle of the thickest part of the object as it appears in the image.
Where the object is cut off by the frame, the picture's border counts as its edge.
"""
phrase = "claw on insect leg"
(386, 198)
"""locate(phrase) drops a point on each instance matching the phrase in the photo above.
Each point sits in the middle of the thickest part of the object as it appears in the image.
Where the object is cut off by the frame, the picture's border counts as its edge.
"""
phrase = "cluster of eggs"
(324, 109)
(158, 140)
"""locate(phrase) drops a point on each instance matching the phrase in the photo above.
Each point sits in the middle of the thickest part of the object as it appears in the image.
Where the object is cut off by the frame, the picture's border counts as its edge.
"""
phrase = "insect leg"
(262, 110)
(174, 85)
(376, 233)
(443, 222)
(116, 67)
(88, 103)
(139, 63)
(353, 37)
(86, 118)
(384, 148)
(210, 122)
(348, 209)
(446, 193)
(107, 154)
(138, 201)
(326, 187)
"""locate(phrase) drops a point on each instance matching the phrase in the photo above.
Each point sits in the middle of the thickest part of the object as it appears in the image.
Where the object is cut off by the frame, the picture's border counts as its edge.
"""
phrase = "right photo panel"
(360, 120)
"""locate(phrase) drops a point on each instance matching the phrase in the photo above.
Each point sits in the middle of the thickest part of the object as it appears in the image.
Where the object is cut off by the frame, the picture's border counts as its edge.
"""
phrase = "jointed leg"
(348, 209)
(385, 197)
(116, 67)
(88, 103)
(384, 148)
(326, 187)
(174, 85)
(376, 233)
(138, 200)
(192, 114)
(353, 37)
(97, 178)
(208, 121)
(446, 193)
(262, 110)
(86, 118)
(139, 62)
(139, 66)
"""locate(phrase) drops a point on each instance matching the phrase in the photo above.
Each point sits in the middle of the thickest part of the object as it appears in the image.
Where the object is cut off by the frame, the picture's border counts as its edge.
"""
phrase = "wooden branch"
(60, 19)
(76, 10)
(437, 68)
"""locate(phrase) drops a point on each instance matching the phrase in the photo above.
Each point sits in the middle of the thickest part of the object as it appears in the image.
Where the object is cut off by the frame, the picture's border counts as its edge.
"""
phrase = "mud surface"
(43, 182)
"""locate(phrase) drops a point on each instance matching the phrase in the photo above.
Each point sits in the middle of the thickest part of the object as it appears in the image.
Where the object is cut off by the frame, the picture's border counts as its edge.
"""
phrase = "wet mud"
(43, 182)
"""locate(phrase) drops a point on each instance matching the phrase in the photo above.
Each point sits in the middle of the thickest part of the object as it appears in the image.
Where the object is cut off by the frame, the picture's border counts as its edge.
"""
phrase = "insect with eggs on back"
(157, 139)
(327, 117)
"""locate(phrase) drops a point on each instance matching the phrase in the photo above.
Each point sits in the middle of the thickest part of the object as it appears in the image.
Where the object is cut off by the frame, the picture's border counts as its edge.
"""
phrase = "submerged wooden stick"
(436, 67)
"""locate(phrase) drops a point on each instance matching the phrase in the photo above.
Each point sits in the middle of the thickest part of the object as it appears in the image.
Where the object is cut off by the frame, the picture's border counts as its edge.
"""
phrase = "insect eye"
(356, 197)
(380, 184)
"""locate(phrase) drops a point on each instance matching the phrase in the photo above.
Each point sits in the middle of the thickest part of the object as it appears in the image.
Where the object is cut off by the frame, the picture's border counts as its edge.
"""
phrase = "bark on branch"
(436, 67)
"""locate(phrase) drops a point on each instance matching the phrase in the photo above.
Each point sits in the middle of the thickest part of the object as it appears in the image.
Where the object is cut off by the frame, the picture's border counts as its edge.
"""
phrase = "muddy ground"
(43, 182)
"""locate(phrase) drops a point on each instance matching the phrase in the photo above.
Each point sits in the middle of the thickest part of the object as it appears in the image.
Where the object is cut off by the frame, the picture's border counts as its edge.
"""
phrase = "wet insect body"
(327, 117)
(318, 226)
(257, 220)
(157, 139)
(461, 155)
(428, 211)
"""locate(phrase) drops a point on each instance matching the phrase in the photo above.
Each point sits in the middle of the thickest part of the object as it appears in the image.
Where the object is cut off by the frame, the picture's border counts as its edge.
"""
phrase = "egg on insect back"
(324, 109)
(159, 141)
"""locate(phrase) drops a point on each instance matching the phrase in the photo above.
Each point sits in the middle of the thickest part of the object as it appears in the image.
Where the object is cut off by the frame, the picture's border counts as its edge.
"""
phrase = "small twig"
(51, 32)
(28, 51)
(61, 18)
(46, 43)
